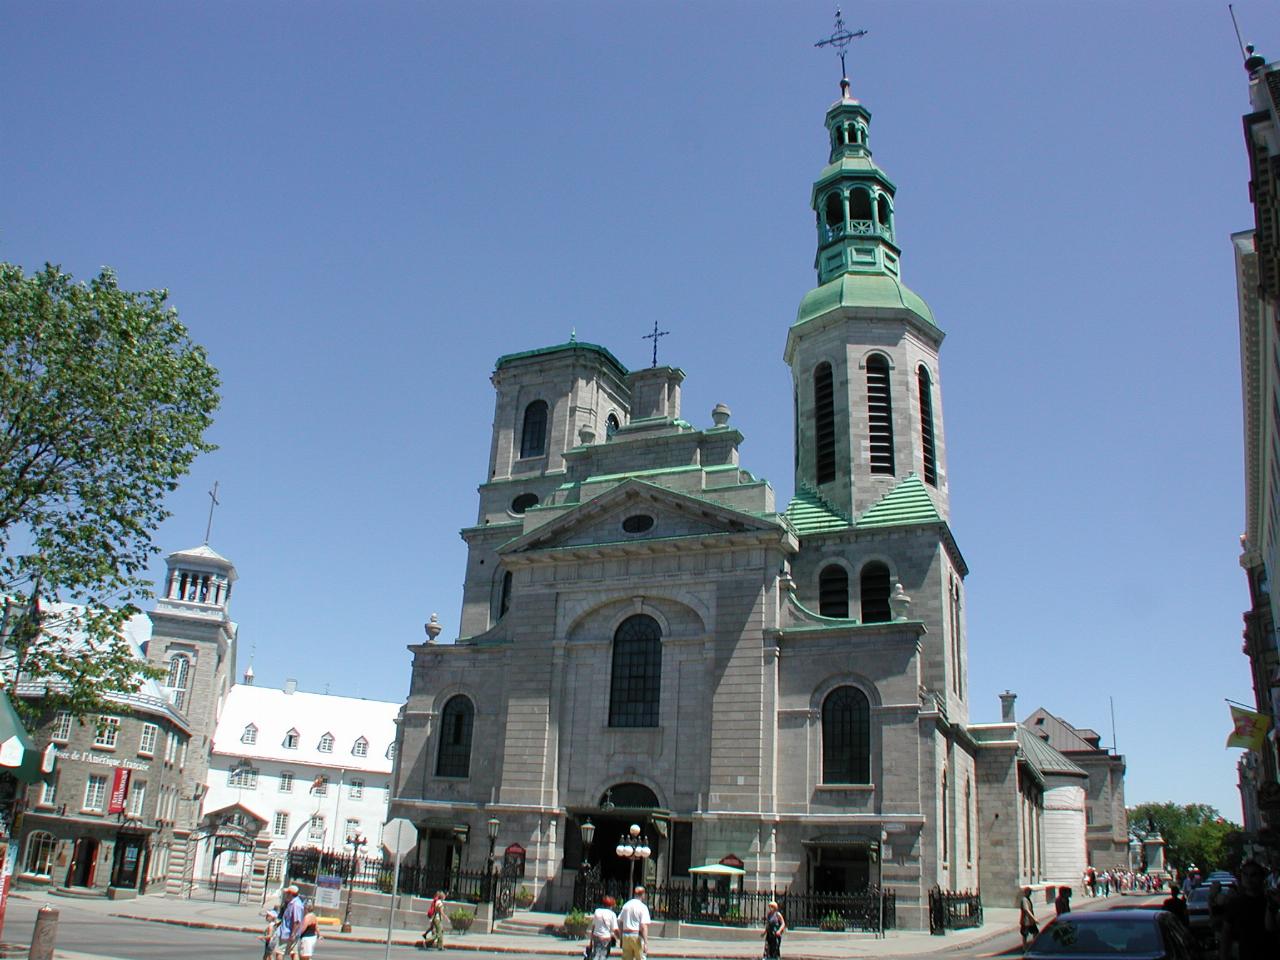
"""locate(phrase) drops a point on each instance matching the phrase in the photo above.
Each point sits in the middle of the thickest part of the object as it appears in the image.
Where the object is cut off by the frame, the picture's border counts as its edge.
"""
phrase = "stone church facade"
(648, 637)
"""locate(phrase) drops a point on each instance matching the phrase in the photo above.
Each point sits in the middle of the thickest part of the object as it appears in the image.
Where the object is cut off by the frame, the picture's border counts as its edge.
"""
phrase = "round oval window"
(523, 502)
(637, 523)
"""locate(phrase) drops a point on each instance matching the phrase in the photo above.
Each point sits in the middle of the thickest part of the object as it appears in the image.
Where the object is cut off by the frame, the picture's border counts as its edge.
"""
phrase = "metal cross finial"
(213, 502)
(655, 336)
(840, 38)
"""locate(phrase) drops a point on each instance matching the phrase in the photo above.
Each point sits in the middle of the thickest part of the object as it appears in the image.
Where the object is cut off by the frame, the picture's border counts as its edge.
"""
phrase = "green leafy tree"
(104, 403)
(1194, 834)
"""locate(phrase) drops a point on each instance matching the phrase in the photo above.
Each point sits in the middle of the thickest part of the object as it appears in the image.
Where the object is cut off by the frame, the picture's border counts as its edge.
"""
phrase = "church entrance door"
(843, 868)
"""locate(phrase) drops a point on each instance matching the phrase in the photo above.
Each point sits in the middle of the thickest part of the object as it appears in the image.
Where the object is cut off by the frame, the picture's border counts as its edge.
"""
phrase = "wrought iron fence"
(378, 873)
(949, 910)
(863, 910)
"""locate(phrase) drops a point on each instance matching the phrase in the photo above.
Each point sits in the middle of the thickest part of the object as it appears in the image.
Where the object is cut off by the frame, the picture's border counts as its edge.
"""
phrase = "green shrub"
(523, 897)
(462, 918)
(832, 921)
(576, 923)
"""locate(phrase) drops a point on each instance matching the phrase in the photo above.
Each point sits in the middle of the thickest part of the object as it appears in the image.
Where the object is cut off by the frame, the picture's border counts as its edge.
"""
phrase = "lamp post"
(492, 825)
(588, 831)
(357, 842)
(633, 847)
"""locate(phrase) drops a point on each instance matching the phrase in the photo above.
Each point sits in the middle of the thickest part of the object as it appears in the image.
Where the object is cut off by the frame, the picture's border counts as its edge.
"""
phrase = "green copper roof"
(909, 502)
(1042, 757)
(809, 513)
(862, 290)
(560, 347)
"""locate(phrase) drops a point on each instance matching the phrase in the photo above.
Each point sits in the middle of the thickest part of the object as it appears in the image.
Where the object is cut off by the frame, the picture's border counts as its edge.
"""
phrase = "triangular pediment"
(638, 512)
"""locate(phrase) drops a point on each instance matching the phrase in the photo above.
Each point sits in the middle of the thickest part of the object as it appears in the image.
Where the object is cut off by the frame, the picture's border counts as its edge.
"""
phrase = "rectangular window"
(108, 732)
(275, 870)
(286, 782)
(357, 790)
(61, 727)
(315, 832)
(170, 745)
(280, 827)
(49, 792)
(137, 797)
(147, 744)
(246, 778)
(95, 791)
(353, 828)
(322, 786)
(681, 848)
(182, 754)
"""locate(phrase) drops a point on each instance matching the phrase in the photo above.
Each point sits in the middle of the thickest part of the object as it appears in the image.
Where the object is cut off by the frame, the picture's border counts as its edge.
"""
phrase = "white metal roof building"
(270, 749)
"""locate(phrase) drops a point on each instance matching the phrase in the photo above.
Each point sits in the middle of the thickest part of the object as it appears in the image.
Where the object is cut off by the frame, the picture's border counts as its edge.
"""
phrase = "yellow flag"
(1250, 729)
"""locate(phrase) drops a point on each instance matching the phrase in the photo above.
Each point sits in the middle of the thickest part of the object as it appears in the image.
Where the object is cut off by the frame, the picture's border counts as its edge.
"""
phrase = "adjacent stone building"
(648, 637)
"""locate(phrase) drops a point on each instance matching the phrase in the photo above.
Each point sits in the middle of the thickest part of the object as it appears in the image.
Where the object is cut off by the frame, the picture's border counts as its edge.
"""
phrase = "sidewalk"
(799, 944)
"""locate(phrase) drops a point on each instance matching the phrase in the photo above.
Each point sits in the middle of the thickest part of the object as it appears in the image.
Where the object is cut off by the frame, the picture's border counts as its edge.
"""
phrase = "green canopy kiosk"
(18, 753)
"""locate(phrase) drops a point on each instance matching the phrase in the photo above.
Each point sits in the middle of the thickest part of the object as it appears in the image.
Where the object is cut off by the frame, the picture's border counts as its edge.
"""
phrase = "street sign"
(399, 836)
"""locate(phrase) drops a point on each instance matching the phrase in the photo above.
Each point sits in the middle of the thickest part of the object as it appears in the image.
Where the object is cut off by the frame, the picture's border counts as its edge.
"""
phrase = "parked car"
(1114, 935)
(1198, 904)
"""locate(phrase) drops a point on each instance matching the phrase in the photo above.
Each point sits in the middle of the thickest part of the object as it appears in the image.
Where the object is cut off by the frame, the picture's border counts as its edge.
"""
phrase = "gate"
(504, 891)
(949, 910)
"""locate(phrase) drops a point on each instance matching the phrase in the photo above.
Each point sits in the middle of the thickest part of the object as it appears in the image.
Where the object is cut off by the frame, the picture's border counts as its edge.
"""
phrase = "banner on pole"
(119, 790)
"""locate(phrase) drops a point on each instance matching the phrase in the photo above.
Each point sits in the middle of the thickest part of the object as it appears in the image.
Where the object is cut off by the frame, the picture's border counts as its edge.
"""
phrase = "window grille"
(833, 591)
(846, 737)
(824, 424)
(875, 593)
(637, 673)
(879, 414)
(927, 451)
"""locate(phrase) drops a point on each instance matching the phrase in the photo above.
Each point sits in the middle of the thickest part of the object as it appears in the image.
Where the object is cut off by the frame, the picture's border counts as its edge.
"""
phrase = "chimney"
(290, 686)
(1007, 701)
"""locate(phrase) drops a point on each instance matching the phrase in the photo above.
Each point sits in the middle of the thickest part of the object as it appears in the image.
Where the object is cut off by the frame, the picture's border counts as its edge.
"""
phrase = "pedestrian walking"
(604, 929)
(309, 936)
(633, 921)
(1062, 902)
(433, 936)
(1250, 925)
(1027, 925)
(291, 921)
(1176, 905)
(271, 935)
(775, 925)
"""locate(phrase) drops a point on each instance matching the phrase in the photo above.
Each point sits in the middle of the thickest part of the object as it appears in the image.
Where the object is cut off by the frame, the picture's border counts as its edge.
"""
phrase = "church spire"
(853, 199)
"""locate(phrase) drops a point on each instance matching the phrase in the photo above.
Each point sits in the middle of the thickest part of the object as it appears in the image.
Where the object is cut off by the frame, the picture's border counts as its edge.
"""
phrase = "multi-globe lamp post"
(492, 825)
(634, 847)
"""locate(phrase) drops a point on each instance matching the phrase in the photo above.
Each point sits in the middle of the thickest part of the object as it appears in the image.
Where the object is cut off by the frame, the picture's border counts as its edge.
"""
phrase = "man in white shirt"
(633, 921)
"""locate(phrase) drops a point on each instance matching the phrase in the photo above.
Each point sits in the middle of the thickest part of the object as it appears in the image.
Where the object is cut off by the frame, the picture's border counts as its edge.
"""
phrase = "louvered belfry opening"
(879, 414)
(833, 592)
(875, 593)
(824, 424)
(927, 451)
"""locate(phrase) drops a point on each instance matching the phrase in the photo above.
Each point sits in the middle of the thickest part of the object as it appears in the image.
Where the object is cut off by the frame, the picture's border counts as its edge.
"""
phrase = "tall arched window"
(504, 598)
(874, 584)
(833, 591)
(946, 822)
(637, 673)
(879, 414)
(927, 451)
(824, 424)
(846, 736)
(40, 850)
(533, 434)
(456, 721)
(611, 425)
(179, 676)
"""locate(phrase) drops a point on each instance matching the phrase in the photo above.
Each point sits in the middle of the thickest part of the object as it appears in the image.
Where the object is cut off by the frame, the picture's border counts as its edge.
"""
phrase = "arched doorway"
(84, 862)
(620, 807)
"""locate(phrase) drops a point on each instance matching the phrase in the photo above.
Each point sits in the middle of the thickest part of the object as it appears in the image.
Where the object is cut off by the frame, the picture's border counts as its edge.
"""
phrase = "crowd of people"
(1106, 883)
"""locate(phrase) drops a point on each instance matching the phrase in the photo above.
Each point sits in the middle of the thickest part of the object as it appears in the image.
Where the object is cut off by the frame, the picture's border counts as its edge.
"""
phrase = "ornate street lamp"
(588, 831)
(492, 825)
(357, 843)
(633, 847)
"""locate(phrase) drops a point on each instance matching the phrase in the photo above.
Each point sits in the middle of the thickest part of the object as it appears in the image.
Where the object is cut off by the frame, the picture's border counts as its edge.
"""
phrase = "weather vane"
(655, 337)
(840, 38)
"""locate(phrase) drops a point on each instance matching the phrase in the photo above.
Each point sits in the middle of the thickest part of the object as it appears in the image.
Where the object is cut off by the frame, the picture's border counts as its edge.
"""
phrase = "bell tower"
(863, 350)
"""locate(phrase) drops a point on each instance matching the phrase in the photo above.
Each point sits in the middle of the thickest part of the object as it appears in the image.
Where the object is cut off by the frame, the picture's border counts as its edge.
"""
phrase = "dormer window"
(326, 743)
(291, 740)
(360, 748)
(391, 751)
(250, 735)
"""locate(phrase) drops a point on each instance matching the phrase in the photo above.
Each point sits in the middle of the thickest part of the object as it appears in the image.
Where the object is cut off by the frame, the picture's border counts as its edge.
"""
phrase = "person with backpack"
(433, 936)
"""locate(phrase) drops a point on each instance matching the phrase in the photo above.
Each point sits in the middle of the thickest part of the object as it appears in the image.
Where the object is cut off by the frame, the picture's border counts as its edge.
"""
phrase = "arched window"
(504, 596)
(611, 425)
(533, 435)
(879, 414)
(833, 591)
(637, 673)
(927, 451)
(882, 210)
(846, 736)
(875, 593)
(834, 209)
(40, 850)
(179, 675)
(824, 424)
(523, 502)
(456, 721)
(859, 205)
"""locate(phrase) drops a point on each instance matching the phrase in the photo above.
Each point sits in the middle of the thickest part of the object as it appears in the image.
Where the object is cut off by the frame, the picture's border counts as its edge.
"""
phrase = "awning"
(18, 753)
(718, 870)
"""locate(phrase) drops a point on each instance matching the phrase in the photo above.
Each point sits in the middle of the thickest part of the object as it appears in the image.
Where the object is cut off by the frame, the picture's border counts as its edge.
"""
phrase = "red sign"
(119, 790)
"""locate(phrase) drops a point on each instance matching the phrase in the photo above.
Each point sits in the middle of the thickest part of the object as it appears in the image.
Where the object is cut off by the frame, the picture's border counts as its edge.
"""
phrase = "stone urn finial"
(900, 603)
(720, 414)
(433, 628)
(586, 434)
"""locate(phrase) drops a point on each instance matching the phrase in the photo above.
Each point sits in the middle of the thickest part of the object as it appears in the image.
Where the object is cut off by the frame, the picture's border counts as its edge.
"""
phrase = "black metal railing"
(378, 873)
(864, 910)
(949, 910)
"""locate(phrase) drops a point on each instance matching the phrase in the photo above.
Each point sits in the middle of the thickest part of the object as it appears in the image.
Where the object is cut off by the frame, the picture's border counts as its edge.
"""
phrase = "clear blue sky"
(358, 207)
